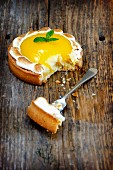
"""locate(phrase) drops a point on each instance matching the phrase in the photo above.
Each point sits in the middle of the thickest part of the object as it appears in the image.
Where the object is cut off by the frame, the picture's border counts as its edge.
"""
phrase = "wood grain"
(85, 140)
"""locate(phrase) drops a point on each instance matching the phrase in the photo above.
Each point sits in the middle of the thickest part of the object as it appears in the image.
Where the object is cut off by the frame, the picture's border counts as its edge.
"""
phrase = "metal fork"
(60, 104)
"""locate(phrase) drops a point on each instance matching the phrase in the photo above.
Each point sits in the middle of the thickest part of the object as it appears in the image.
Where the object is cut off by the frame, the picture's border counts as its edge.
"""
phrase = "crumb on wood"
(62, 85)
(93, 94)
(63, 80)
(58, 82)
(75, 94)
(68, 79)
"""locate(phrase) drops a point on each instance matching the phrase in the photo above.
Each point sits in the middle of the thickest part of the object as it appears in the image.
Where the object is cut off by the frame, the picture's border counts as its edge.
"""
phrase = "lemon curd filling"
(40, 52)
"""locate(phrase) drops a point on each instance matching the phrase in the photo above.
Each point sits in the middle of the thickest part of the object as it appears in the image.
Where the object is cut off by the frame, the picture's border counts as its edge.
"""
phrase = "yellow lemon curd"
(40, 52)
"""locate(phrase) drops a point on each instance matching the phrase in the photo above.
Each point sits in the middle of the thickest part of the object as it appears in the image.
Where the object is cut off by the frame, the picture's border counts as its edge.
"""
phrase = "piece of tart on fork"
(45, 114)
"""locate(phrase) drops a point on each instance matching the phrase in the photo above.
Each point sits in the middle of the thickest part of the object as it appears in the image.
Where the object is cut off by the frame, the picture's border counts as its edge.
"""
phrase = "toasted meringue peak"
(24, 61)
(16, 41)
(58, 31)
(38, 68)
(15, 51)
(44, 29)
(69, 36)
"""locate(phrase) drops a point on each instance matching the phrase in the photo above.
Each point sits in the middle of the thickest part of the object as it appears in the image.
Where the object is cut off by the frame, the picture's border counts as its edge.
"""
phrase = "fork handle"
(89, 74)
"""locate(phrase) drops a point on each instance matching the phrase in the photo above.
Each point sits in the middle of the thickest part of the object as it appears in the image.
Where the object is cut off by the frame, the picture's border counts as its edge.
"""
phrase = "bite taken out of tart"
(36, 55)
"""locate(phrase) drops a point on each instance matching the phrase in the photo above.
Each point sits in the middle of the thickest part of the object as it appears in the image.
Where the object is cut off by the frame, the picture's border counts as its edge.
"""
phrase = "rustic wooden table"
(85, 140)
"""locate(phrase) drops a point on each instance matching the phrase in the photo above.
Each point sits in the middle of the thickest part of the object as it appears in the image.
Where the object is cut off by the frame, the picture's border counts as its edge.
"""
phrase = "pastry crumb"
(75, 94)
(93, 94)
(58, 82)
(68, 79)
(62, 85)
(63, 80)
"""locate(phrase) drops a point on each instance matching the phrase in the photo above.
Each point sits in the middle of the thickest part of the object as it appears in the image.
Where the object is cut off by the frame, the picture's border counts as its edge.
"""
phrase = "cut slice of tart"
(35, 56)
(45, 114)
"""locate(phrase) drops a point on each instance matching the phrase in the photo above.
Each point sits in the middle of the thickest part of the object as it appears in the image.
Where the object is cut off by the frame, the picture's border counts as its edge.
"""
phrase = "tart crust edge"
(21, 73)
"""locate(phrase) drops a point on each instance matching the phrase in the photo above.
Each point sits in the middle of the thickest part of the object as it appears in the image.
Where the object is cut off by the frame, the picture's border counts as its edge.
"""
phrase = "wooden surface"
(85, 140)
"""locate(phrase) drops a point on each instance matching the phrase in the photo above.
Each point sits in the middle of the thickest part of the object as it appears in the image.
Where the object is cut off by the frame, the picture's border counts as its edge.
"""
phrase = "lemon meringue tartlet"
(35, 62)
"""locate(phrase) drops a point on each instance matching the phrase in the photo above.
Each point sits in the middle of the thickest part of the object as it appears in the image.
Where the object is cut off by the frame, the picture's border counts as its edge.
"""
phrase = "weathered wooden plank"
(85, 139)
(17, 18)
(89, 22)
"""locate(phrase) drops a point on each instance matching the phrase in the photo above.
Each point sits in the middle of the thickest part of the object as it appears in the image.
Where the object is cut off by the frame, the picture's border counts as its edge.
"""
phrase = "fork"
(60, 104)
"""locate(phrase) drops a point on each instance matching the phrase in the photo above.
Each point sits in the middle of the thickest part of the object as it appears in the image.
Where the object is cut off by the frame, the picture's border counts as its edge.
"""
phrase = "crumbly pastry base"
(36, 77)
